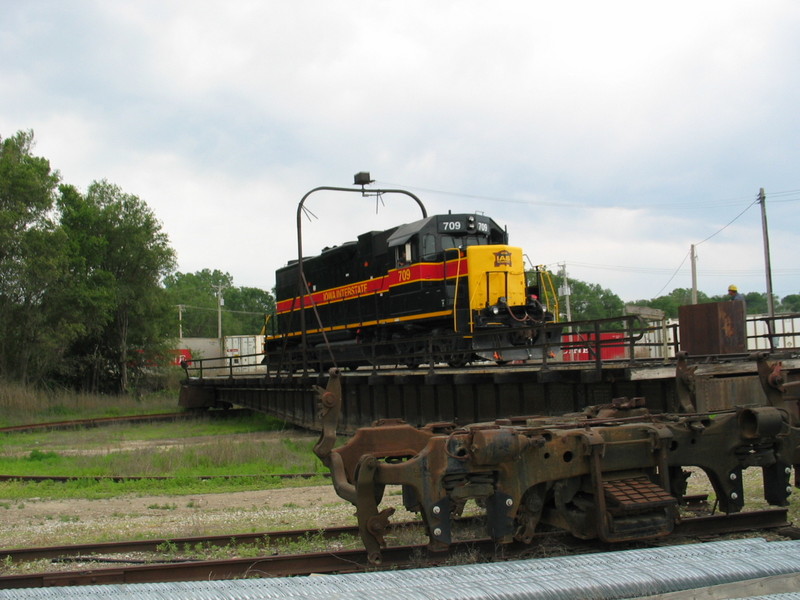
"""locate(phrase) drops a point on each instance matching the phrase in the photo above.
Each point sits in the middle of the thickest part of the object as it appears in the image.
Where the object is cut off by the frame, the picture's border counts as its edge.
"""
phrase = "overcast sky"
(609, 136)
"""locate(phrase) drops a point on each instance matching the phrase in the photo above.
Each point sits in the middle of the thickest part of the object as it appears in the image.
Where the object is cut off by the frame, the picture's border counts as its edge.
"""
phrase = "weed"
(170, 506)
(38, 455)
(310, 542)
(168, 547)
(68, 518)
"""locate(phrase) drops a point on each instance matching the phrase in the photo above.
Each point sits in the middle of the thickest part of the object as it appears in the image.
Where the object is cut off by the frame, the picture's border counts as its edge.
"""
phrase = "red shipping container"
(581, 346)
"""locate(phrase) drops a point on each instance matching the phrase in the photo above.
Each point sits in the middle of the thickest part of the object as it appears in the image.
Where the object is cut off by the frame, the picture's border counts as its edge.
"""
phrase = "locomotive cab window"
(449, 242)
(429, 247)
(405, 254)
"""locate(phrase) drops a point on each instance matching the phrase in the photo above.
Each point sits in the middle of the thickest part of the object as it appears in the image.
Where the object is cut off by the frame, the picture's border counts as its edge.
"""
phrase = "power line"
(621, 268)
(666, 270)
(749, 206)
(673, 275)
(784, 193)
(659, 205)
(491, 198)
(225, 310)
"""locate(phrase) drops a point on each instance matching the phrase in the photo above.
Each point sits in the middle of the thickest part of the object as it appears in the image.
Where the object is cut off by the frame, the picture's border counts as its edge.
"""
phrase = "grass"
(753, 491)
(238, 476)
(185, 451)
(214, 457)
(111, 435)
(20, 405)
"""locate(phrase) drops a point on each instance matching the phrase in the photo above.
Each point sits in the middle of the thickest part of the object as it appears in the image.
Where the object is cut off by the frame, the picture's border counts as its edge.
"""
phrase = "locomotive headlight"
(470, 222)
(495, 310)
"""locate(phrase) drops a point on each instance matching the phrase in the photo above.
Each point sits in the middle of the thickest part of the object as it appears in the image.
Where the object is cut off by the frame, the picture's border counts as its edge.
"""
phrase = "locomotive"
(445, 288)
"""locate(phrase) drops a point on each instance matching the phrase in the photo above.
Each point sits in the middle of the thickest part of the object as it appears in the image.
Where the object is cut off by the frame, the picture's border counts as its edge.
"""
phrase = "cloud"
(607, 135)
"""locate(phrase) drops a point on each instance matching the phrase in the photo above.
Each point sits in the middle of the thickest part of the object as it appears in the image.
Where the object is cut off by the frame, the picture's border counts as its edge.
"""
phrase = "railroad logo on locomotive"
(344, 292)
(502, 258)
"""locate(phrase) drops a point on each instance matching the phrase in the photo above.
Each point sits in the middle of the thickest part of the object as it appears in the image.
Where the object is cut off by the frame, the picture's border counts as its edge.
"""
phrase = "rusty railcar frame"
(615, 472)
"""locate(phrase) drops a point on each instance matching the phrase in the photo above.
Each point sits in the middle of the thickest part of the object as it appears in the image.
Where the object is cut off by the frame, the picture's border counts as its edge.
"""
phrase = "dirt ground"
(50, 522)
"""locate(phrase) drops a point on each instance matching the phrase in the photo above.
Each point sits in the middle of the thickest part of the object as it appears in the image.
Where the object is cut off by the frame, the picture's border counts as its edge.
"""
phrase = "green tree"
(248, 307)
(791, 303)
(119, 255)
(34, 325)
(756, 302)
(673, 301)
(27, 189)
(588, 300)
(196, 293)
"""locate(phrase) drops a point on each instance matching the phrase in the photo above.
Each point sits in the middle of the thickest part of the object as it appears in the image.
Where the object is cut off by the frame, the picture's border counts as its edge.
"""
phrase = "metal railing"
(613, 341)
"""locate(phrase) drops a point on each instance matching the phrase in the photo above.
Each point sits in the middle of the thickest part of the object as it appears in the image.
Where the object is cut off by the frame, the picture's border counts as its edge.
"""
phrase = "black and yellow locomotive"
(446, 288)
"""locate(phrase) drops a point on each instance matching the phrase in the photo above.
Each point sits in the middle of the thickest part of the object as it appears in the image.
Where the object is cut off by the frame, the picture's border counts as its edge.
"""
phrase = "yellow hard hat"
(733, 288)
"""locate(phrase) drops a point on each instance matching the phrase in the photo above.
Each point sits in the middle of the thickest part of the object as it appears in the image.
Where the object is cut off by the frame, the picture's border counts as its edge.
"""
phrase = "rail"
(625, 340)
(331, 561)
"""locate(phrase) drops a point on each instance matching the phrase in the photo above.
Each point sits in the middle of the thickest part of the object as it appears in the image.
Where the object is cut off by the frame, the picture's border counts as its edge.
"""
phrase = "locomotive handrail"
(302, 284)
(455, 289)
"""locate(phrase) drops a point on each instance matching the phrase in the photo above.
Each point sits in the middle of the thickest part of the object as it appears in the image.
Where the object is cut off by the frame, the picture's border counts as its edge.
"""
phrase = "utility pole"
(180, 321)
(220, 304)
(693, 255)
(564, 290)
(762, 200)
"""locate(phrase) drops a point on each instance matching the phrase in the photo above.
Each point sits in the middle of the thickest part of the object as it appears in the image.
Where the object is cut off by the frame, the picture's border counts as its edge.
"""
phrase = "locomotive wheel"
(458, 361)
(408, 354)
(448, 351)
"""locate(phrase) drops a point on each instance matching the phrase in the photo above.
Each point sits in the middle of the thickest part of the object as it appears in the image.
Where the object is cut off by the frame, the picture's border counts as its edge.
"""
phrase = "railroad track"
(105, 421)
(339, 561)
(118, 479)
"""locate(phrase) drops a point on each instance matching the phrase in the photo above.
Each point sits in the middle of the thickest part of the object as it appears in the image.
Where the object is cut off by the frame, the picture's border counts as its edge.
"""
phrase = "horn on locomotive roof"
(362, 178)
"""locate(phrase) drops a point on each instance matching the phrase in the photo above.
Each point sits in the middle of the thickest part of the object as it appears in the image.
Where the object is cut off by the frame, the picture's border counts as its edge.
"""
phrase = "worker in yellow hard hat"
(733, 293)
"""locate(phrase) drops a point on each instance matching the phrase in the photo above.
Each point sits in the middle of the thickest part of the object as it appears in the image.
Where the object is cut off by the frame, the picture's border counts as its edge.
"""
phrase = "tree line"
(88, 293)
(591, 301)
(195, 298)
